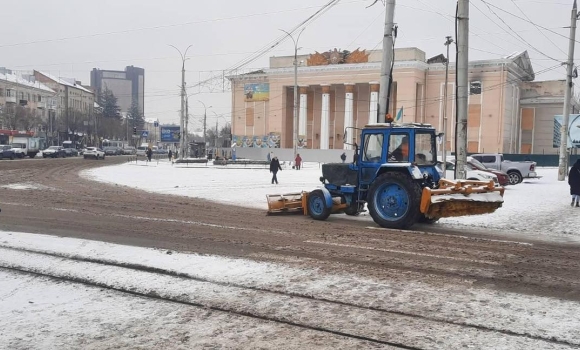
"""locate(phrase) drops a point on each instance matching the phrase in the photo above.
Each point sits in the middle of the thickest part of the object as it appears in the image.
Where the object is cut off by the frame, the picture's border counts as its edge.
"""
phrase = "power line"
(507, 25)
(163, 26)
(541, 32)
(526, 20)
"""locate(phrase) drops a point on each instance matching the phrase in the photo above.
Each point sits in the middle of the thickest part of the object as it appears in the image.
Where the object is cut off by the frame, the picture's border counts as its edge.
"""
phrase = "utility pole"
(462, 88)
(216, 134)
(563, 161)
(448, 42)
(204, 123)
(182, 117)
(295, 109)
(388, 55)
(185, 134)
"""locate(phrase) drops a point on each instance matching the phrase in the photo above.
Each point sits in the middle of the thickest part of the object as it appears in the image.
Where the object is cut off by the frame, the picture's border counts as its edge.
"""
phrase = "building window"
(1, 92)
(475, 87)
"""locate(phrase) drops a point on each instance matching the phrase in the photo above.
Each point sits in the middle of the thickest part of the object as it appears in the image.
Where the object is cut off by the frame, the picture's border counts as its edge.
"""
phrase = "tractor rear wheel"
(394, 200)
(317, 208)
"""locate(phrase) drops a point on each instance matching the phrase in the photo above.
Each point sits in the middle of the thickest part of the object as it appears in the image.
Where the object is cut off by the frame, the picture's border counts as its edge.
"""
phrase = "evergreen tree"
(108, 101)
(135, 115)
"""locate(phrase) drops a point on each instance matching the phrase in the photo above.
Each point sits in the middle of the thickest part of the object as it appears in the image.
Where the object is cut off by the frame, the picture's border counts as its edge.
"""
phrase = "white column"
(374, 98)
(348, 114)
(325, 117)
(302, 116)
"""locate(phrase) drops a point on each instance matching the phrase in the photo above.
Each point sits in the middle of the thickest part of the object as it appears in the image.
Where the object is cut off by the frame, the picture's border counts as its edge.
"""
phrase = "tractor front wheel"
(394, 200)
(317, 208)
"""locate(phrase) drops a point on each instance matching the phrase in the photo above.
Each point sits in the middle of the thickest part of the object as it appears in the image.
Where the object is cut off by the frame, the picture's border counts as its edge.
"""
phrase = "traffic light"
(134, 130)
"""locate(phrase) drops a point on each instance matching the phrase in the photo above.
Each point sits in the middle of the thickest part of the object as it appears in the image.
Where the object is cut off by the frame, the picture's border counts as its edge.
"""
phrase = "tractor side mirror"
(440, 137)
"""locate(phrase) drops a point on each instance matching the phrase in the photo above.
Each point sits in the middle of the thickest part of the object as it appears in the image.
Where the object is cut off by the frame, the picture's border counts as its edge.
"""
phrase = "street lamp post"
(217, 116)
(295, 110)
(182, 118)
(204, 123)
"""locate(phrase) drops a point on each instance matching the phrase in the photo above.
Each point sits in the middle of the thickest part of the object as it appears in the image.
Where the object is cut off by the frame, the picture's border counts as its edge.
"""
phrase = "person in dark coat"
(149, 153)
(574, 182)
(169, 155)
(274, 167)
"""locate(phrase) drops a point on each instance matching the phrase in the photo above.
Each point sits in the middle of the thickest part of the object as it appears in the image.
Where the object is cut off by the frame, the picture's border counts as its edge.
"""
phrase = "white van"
(141, 151)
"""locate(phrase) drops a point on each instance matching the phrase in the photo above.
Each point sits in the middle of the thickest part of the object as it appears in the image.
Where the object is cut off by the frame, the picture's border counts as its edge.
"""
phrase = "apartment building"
(25, 103)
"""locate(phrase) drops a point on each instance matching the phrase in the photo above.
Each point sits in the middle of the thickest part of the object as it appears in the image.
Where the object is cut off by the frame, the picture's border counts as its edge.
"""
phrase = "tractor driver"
(401, 153)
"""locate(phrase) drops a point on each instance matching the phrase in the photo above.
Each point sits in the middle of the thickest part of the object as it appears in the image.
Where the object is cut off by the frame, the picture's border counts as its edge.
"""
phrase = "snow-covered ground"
(538, 208)
(42, 313)
(38, 313)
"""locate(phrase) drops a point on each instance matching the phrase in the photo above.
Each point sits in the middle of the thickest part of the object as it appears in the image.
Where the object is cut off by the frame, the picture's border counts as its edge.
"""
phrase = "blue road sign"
(145, 133)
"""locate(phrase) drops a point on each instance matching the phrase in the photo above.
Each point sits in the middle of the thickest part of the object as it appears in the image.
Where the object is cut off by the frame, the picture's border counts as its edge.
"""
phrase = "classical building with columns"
(339, 89)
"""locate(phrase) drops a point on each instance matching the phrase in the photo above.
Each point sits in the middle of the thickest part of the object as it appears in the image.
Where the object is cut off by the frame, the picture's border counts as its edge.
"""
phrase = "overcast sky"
(69, 38)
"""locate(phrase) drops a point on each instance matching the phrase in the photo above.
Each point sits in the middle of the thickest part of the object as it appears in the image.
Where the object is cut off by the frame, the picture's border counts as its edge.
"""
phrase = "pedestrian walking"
(343, 156)
(269, 156)
(274, 167)
(298, 161)
(149, 154)
(169, 155)
(574, 182)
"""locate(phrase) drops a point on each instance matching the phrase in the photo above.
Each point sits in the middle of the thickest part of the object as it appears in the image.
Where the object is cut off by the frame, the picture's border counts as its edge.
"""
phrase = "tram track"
(268, 291)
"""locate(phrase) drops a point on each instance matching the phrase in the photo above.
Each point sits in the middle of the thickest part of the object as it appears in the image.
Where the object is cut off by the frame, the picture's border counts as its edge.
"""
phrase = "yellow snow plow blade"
(461, 198)
(287, 203)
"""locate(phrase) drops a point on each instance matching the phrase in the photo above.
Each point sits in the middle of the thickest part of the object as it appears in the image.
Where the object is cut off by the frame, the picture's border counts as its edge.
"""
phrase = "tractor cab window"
(373, 148)
(424, 148)
(399, 147)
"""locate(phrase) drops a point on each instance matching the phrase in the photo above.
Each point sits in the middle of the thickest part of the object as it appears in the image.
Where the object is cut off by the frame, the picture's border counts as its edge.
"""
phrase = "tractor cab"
(386, 147)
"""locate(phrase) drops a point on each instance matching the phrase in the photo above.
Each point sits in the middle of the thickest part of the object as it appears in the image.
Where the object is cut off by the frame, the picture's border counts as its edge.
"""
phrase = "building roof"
(65, 81)
(17, 79)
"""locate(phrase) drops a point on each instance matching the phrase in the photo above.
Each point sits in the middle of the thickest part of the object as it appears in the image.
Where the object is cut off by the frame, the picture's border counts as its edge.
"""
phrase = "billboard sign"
(573, 131)
(170, 134)
(257, 92)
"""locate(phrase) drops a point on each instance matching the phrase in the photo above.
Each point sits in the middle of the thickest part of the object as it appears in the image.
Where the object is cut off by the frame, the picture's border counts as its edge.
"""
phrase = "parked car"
(6, 152)
(472, 174)
(517, 171)
(71, 152)
(502, 177)
(112, 151)
(142, 151)
(94, 152)
(54, 152)
(129, 150)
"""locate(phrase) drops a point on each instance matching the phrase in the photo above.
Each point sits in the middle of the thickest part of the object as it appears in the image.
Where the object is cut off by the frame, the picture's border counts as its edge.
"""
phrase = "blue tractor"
(395, 174)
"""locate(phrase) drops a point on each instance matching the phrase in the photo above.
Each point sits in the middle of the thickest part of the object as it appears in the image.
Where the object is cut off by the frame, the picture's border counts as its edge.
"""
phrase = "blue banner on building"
(170, 134)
